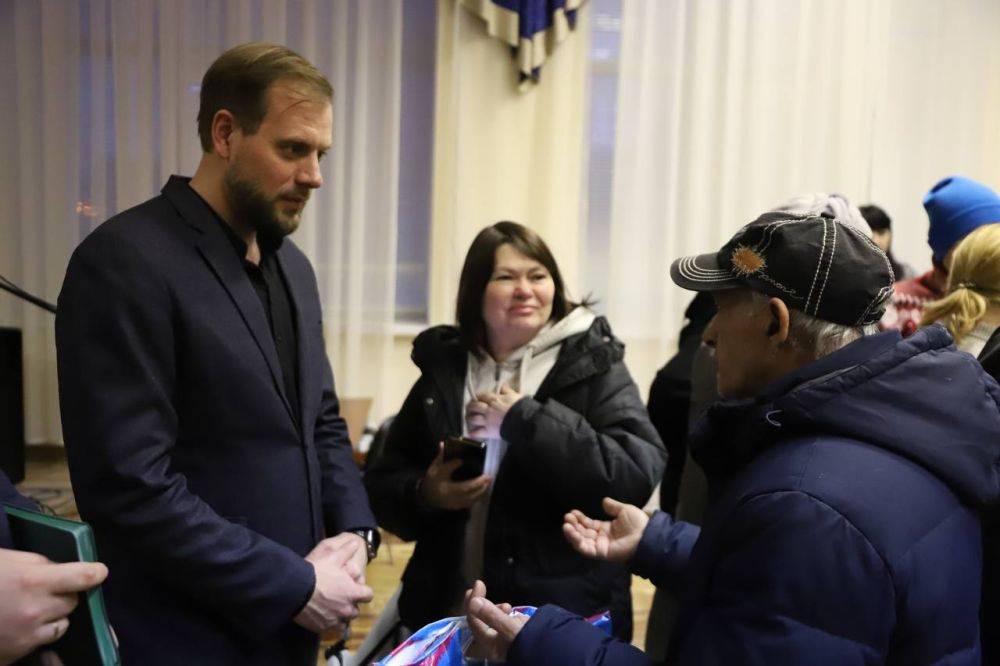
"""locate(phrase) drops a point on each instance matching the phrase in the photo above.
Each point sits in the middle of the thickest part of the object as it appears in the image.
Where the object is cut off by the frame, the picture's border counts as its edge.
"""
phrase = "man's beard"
(252, 209)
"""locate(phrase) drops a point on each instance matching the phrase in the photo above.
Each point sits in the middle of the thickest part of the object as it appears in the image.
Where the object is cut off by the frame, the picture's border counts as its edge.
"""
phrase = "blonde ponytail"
(959, 312)
(973, 283)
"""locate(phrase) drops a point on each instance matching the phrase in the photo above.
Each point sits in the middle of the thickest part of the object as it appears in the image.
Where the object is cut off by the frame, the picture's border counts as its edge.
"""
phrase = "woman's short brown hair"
(478, 268)
(239, 79)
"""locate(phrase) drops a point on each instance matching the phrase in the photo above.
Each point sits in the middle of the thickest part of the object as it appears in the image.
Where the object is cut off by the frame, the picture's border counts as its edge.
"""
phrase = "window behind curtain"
(415, 155)
(605, 41)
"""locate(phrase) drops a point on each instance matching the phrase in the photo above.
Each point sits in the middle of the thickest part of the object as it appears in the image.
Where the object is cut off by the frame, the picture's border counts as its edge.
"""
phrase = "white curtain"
(503, 154)
(727, 107)
(99, 102)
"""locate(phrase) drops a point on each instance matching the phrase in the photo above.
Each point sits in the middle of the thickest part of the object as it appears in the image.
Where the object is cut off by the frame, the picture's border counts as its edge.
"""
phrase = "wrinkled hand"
(336, 596)
(439, 491)
(485, 414)
(493, 628)
(36, 595)
(355, 566)
(615, 540)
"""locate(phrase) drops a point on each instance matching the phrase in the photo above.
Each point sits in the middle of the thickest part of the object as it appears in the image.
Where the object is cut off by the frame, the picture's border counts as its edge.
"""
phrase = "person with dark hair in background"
(881, 225)
(541, 380)
(202, 427)
(36, 595)
(847, 470)
(955, 206)
(671, 409)
(670, 397)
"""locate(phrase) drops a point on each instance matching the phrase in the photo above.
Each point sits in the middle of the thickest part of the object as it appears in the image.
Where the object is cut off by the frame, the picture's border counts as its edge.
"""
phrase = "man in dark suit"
(198, 406)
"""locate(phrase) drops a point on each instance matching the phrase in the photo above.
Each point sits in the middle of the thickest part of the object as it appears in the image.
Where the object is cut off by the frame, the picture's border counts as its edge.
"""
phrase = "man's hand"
(440, 492)
(335, 598)
(36, 595)
(614, 541)
(493, 628)
(356, 564)
(486, 413)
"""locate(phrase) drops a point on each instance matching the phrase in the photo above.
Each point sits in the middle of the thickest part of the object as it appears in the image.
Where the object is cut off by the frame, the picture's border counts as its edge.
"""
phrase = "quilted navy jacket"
(845, 529)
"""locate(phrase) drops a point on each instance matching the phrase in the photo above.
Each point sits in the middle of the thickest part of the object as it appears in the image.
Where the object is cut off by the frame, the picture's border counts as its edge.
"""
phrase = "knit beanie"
(956, 206)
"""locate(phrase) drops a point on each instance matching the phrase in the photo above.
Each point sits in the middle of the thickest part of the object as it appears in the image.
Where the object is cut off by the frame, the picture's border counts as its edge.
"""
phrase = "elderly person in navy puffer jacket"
(846, 468)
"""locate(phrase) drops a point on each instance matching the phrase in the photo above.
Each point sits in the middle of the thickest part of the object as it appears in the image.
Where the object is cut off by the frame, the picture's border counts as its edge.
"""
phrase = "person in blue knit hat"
(955, 207)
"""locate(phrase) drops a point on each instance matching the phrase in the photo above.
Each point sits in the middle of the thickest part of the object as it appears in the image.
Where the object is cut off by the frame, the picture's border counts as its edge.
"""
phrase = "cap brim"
(702, 273)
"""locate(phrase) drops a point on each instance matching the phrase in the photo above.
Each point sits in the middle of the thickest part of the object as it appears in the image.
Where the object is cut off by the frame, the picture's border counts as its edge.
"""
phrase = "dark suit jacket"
(9, 495)
(184, 456)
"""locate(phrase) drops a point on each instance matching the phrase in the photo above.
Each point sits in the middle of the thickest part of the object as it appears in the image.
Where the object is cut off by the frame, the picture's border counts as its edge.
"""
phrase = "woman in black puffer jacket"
(542, 381)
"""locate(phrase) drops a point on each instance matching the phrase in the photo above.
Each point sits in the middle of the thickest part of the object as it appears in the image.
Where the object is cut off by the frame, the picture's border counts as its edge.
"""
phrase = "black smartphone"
(471, 452)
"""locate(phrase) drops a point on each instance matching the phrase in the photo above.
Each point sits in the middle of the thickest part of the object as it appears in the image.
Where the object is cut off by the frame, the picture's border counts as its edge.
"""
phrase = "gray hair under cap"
(819, 203)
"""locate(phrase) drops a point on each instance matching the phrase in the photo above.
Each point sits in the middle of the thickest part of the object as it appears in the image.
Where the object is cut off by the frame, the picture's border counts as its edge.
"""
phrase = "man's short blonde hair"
(239, 79)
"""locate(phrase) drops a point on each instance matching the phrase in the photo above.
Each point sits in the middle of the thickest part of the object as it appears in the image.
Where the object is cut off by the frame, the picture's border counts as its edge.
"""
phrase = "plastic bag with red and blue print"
(443, 643)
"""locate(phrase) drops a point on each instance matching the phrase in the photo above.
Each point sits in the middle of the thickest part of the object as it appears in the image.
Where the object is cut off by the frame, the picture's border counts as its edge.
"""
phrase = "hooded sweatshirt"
(523, 370)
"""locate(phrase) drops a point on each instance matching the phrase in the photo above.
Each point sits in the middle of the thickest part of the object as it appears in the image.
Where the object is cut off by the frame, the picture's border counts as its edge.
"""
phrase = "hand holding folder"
(37, 596)
(49, 593)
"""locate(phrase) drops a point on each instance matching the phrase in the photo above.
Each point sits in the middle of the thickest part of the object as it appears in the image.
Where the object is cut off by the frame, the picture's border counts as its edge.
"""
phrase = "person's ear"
(223, 129)
(708, 335)
(777, 330)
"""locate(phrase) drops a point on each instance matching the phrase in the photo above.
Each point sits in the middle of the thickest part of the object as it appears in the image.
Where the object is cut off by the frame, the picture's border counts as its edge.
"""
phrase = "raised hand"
(36, 595)
(493, 628)
(615, 540)
(439, 491)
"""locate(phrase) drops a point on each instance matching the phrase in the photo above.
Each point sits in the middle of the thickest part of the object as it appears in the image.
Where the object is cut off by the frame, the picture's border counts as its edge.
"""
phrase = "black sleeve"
(668, 407)
(392, 477)
(9, 495)
(990, 355)
(611, 451)
(345, 504)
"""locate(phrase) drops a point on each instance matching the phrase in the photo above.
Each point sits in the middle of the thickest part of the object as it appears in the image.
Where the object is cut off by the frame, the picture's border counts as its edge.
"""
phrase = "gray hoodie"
(524, 371)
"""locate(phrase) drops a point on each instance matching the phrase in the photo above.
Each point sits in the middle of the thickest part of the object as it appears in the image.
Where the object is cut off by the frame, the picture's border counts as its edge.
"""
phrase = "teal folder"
(89, 639)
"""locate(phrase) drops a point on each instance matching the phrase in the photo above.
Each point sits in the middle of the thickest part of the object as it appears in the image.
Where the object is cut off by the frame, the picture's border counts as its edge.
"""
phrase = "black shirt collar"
(266, 248)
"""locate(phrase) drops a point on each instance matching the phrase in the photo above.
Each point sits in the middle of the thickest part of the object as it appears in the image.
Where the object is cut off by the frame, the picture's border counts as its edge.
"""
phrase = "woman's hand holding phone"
(441, 492)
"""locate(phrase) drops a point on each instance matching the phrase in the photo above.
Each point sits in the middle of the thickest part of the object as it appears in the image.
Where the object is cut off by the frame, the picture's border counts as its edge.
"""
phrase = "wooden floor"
(47, 480)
